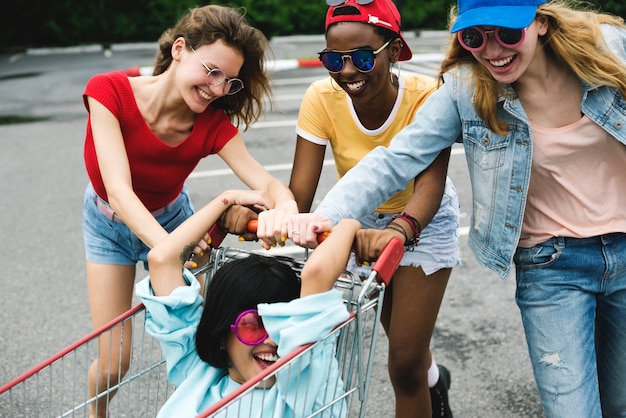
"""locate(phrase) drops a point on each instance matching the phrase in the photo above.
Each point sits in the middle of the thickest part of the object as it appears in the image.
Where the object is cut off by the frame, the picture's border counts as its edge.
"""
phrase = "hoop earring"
(333, 85)
(395, 73)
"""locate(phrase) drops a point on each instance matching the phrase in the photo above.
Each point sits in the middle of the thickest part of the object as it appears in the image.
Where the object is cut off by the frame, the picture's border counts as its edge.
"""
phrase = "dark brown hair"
(208, 24)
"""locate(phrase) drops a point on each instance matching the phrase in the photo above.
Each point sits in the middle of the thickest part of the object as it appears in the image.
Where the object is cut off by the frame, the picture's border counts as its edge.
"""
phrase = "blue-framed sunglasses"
(363, 59)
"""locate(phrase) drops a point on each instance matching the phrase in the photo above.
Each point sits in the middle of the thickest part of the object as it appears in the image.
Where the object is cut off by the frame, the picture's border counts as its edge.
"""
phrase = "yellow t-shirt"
(327, 115)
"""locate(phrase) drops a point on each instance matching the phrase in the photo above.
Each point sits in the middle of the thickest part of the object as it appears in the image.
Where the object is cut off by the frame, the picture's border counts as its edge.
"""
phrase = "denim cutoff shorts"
(438, 246)
(110, 242)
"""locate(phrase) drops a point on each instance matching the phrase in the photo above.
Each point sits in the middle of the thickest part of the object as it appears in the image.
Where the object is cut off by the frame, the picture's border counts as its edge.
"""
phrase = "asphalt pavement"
(478, 336)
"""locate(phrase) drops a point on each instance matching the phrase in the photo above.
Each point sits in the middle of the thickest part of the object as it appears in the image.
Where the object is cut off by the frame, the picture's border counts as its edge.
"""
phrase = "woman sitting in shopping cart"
(212, 346)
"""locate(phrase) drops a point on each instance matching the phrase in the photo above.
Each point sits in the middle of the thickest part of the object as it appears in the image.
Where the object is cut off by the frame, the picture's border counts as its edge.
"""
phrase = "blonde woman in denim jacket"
(536, 92)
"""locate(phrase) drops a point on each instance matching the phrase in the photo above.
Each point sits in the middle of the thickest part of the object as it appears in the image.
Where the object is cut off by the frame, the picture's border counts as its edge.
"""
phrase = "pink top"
(576, 184)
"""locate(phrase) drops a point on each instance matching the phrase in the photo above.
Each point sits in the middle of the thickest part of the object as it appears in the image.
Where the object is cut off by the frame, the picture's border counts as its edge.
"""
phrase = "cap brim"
(405, 52)
(514, 17)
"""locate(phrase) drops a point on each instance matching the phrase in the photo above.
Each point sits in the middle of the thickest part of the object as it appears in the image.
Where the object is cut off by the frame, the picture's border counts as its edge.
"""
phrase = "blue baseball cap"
(513, 14)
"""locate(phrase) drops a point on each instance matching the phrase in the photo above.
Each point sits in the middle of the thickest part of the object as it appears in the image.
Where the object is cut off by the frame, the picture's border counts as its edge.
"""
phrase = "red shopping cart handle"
(217, 234)
(389, 260)
(254, 223)
(385, 266)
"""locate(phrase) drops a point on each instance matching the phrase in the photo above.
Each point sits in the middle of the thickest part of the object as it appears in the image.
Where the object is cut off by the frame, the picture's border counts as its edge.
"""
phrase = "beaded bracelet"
(416, 224)
(413, 223)
(398, 228)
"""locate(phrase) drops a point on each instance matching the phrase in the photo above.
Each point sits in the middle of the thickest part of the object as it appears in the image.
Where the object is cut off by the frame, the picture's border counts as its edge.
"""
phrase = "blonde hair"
(573, 37)
(208, 24)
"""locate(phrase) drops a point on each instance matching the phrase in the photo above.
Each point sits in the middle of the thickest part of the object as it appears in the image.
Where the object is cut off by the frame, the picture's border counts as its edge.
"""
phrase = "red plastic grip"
(389, 260)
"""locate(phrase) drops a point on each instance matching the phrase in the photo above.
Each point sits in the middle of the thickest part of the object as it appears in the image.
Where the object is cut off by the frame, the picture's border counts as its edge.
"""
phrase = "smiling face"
(362, 86)
(246, 361)
(192, 75)
(233, 293)
(508, 65)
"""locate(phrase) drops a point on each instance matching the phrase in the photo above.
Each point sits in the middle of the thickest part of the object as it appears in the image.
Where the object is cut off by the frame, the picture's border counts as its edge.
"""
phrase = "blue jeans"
(572, 297)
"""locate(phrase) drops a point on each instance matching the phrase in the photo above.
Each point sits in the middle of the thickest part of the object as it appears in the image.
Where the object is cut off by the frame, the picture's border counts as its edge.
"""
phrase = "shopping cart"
(58, 386)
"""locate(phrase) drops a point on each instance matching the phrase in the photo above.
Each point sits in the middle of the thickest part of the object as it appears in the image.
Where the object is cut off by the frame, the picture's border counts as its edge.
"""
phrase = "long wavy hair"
(208, 24)
(573, 37)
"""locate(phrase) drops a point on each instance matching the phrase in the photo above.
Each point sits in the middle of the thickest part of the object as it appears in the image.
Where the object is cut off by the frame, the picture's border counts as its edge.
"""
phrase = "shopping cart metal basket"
(58, 386)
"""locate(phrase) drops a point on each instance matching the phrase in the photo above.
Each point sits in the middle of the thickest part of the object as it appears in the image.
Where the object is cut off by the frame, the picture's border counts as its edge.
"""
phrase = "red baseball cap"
(382, 13)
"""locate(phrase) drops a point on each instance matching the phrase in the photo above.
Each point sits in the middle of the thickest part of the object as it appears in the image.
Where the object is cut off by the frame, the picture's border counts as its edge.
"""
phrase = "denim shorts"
(111, 242)
(439, 241)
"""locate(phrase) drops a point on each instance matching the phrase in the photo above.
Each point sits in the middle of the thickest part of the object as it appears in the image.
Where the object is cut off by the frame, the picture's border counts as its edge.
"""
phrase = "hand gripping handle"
(385, 266)
(217, 234)
(389, 260)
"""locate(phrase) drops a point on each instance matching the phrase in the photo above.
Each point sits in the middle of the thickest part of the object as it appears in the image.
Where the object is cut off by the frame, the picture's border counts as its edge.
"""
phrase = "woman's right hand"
(303, 229)
(245, 197)
(235, 220)
(369, 243)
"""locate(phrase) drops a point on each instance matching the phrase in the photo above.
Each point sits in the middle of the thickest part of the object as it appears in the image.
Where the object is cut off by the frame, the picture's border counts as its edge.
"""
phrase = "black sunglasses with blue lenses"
(363, 59)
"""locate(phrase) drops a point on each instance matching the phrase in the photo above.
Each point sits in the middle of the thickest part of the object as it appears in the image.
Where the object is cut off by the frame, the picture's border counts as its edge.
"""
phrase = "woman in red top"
(145, 135)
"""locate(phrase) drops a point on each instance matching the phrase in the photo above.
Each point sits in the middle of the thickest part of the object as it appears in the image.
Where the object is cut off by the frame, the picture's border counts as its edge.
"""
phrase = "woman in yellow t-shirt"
(362, 105)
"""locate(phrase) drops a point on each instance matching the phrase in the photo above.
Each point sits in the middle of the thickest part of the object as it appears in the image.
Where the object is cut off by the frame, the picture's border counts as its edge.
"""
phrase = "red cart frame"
(58, 386)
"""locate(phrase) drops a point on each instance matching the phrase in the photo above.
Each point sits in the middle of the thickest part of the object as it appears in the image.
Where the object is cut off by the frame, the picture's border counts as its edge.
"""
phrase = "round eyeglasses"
(248, 328)
(474, 39)
(216, 77)
(363, 59)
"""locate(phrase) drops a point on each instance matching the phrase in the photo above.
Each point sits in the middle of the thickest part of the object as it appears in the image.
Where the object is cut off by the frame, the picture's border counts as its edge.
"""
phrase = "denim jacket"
(499, 166)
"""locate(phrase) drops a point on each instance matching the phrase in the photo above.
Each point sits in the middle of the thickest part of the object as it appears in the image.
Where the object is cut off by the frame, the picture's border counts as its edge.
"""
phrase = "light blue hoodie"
(173, 321)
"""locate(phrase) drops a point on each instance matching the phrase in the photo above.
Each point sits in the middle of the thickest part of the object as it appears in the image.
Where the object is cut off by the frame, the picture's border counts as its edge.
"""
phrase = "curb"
(275, 65)
(292, 64)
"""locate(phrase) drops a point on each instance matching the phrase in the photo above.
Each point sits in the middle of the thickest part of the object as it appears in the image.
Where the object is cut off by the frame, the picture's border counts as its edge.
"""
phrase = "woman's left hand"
(270, 227)
(303, 229)
(201, 253)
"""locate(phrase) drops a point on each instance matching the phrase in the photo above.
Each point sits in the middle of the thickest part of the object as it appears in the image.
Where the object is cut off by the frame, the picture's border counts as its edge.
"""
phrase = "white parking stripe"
(293, 250)
(278, 167)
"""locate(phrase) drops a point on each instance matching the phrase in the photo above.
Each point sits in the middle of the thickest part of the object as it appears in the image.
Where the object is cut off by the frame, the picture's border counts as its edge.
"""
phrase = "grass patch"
(19, 75)
(15, 119)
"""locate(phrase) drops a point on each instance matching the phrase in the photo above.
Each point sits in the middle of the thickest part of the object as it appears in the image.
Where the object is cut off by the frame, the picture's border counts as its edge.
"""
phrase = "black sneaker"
(439, 394)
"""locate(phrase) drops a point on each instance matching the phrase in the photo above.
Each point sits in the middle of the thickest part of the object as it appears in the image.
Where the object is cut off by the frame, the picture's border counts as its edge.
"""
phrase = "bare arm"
(423, 205)
(428, 190)
(255, 176)
(329, 259)
(115, 171)
(305, 174)
(167, 258)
